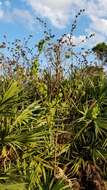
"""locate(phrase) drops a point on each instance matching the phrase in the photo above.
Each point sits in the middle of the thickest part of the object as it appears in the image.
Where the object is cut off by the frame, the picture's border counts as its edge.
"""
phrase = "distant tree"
(101, 51)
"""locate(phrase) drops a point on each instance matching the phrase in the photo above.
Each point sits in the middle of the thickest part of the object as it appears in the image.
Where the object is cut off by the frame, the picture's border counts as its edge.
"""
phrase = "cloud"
(57, 11)
(96, 10)
(74, 40)
(1, 13)
(23, 16)
(17, 15)
(99, 25)
(7, 3)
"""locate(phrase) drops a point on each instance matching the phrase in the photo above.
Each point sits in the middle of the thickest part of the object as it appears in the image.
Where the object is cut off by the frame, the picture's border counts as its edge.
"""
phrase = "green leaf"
(16, 186)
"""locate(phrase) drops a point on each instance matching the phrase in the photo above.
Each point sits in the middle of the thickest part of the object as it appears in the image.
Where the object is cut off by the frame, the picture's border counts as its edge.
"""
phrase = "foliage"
(53, 124)
(101, 51)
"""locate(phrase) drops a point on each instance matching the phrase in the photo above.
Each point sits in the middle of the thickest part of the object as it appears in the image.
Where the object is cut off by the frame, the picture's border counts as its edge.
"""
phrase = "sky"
(18, 18)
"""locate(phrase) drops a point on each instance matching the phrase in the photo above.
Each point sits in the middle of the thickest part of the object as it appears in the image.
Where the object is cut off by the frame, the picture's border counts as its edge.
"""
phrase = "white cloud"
(57, 11)
(99, 25)
(98, 37)
(1, 14)
(18, 16)
(23, 16)
(7, 3)
(74, 40)
(97, 12)
(97, 8)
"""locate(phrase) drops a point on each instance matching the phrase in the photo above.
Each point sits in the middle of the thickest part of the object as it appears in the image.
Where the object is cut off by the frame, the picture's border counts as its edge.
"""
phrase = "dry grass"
(105, 184)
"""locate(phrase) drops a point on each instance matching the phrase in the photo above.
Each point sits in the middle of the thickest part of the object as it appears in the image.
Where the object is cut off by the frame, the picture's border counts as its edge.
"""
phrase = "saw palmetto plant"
(26, 145)
(88, 126)
(53, 123)
(17, 131)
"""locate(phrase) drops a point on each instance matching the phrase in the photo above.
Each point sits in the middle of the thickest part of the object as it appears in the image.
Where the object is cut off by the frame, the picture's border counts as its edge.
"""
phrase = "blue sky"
(17, 18)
